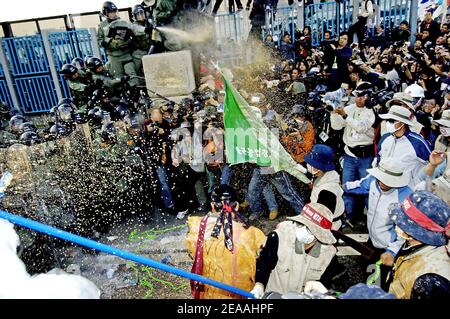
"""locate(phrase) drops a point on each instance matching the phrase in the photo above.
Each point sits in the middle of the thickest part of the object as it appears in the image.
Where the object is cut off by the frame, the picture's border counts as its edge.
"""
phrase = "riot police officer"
(78, 83)
(142, 42)
(102, 78)
(115, 35)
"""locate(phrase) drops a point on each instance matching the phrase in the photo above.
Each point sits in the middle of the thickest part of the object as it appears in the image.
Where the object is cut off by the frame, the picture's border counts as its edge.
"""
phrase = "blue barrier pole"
(55, 232)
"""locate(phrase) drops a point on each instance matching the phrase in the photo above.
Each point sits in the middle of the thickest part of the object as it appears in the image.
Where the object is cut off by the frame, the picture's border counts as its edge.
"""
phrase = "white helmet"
(415, 90)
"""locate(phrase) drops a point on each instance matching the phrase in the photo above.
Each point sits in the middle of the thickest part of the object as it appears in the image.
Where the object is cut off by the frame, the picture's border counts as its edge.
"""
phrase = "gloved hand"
(315, 286)
(258, 290)
(301, 168)
(149, 26)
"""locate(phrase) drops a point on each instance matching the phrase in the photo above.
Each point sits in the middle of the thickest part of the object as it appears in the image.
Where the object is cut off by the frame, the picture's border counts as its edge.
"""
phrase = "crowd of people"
(368, 121)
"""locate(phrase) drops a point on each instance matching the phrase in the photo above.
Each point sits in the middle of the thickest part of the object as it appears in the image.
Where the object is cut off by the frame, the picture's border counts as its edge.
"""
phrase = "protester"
(422, 266)
(224, 248)
(298, 250)
(385, 185)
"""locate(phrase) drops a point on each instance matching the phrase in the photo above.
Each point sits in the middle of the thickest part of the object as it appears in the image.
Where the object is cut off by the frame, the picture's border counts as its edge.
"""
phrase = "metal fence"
(327, 16)
(232, 27)
(5, 95)
(31, 73)
(67, 45)
(279, 22)
(390, 13)
(33, 63)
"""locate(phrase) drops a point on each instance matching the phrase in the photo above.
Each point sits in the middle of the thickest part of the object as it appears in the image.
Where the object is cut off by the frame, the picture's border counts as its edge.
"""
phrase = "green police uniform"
(78, 89)
(113, 85)
(141, 45)
(115, 36)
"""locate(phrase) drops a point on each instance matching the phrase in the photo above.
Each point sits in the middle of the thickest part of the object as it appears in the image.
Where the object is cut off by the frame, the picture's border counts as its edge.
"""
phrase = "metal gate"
(327, 16)
(31, 73)
(390, 13)
(33, 64)
(67, 45)
(4, 91)
(232, 27)
(279, 22)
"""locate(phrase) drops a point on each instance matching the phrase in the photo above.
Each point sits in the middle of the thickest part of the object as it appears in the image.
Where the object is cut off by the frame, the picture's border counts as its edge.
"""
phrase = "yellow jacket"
(236, 268)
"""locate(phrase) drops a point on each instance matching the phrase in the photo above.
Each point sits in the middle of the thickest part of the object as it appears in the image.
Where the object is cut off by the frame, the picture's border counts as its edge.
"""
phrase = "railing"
(34, 63)
(31, 73)
(279, 22)
(391, 13)
(68, 45)
(327, 16)
(232, 27)
(4, 91)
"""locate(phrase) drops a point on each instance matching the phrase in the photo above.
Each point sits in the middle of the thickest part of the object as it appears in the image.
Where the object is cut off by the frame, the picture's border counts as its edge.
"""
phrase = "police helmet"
(108, 7)
(86, 58)
(29, 137)
(65, 112)
(108, 131)
(68, 70)
(65, 100)
(138, 10)
(15, 122)
(59, 130)
(93, 63)
(78, 62)
(122, 110)
(26, 127)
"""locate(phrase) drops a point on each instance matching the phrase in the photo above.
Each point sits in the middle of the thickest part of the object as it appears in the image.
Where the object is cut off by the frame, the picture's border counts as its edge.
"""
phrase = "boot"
(273, 214)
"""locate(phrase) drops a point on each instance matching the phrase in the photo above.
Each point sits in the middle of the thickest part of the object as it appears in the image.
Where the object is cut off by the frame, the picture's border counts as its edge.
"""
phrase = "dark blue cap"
(321, 157)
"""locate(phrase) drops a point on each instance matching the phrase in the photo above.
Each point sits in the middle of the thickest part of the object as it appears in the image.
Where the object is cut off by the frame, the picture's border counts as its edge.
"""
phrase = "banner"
(248, 139)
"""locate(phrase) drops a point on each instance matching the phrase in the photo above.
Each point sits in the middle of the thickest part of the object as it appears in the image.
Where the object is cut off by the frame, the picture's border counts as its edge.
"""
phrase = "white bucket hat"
(444, 120)
(389, 173)
(399, 113)
(401, 98)
(318, 219)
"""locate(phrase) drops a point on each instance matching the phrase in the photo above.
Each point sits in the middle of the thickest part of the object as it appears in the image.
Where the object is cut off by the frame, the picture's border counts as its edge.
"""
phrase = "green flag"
(248, 139)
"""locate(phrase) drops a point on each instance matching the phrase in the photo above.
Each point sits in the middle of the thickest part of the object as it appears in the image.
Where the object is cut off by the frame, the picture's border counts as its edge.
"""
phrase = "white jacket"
(330, 181)
(381, 228)
(411, 151)
(358, 126)
(294, 269)
(16, 283)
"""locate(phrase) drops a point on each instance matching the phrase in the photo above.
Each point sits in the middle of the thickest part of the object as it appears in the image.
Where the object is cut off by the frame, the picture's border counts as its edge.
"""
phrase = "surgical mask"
(401, 233)
(445, 131)
(311, 169)
(390, 128)
(299, 121)
(304, 236)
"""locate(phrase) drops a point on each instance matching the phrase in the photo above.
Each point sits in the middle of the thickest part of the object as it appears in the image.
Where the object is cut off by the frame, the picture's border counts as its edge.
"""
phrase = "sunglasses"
(391, 121)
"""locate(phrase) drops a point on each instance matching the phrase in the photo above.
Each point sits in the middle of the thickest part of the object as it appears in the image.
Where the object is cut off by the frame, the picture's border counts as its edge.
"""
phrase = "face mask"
(390, 128)
(300, 122)
(401, 233)
(445, 131)
(311, 169)
(304, 236)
